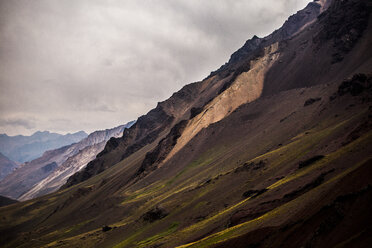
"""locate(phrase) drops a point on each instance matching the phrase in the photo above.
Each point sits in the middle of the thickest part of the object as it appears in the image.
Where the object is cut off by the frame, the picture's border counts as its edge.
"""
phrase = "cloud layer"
(87, 64)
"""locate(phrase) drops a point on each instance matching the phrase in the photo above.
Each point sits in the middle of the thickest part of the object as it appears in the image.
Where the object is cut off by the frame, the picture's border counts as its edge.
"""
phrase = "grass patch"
(197, 163)
(291, 206)
(171, 229)
(77, 226)
(142, 193)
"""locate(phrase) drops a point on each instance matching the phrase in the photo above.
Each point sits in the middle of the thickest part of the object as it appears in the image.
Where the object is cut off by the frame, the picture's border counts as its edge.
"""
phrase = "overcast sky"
(73, 65)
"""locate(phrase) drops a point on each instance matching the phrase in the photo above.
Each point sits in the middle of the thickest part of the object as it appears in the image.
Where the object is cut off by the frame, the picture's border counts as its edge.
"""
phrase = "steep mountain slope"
(191, 99)
(5, 201)
(26, 148)
(271, 150)
(49, 172)
(6, 166)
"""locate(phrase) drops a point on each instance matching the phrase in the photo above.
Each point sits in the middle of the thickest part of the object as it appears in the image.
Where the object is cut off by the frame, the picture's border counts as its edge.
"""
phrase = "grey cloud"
(17, 122)
(101, 63)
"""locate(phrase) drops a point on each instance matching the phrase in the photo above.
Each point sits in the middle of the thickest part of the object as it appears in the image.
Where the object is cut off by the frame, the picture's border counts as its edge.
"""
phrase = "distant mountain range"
(50, 171)
(26, 148)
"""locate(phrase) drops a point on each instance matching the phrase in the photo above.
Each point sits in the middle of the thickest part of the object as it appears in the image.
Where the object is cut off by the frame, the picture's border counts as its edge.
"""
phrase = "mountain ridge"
(22, 148)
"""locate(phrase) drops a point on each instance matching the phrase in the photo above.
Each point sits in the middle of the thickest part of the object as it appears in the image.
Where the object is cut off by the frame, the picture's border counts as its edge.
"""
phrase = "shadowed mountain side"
(321, 53)
(5, 201)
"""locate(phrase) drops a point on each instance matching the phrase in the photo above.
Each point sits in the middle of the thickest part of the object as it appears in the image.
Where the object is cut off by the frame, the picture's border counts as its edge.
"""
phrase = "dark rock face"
(251, 166)
(310, 161)
(246, 50)
(154, 214)
(355, 86)
(254, 193)
(111, 144)
(297, 21)
(314, 183)
(49, 167)
(157, 120)
(310, 101)
(162, 149)
(195, 111)
(344, 23)
(145, 131)
(358, 131)
(106, 228)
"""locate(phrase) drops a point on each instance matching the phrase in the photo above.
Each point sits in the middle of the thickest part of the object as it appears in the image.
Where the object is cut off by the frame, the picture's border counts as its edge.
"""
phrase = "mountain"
(89, 148)
(26, 148)
(250, 62)
(273, 149)
(5, 201)
(6, 166)
(47, 173)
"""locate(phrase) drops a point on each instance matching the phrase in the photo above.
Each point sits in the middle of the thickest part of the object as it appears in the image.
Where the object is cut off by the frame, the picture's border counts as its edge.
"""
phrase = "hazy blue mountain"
(26, 148)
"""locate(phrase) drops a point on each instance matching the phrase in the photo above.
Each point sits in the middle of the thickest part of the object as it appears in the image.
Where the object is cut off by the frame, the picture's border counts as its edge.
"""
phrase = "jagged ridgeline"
(273, 149)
